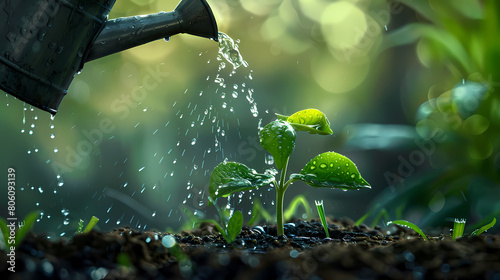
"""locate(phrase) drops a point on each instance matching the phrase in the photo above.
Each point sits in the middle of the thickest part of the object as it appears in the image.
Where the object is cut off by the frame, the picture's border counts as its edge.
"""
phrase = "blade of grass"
(383, 212)
(91, 224)
(363, 218)
(321, 213)
(484, 228)
(294, 204)
(5, 232)
(409, 225)
(29, 221)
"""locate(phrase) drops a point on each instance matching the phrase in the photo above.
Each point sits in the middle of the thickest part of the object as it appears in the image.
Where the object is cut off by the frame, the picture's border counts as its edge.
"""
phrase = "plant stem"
(280, 194)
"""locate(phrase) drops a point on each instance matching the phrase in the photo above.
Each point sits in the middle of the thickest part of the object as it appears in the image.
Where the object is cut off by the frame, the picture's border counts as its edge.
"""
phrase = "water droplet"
(65, 212)
(168, 241)
(193, 141)
(323, 165)
(142, 168)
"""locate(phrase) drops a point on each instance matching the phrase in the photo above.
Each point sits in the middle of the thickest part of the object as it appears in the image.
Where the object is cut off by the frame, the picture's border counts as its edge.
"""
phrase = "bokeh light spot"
(337, 77)
(476, 124)
(343, 25)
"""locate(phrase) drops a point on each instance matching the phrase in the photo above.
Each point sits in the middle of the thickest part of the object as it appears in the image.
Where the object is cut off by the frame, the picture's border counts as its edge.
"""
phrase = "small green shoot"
(326, 170)
(409, 225)
(321, 213)
(230, 231)
(484, 228)
(458, 229)
(381, 213)
(11, 236)
(294, 204)
(93, 221)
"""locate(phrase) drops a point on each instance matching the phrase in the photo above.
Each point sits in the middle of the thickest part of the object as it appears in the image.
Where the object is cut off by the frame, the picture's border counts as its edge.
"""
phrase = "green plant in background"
(20, 234)
(326, 170)
(292, 209)
(321, 213)
(456, 104)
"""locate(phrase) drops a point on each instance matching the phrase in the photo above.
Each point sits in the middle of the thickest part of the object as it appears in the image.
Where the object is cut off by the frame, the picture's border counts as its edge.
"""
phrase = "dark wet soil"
(351, 252)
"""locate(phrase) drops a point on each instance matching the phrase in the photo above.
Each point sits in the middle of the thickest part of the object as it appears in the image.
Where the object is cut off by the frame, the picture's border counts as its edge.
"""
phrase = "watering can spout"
(44, 43)
(190, 16)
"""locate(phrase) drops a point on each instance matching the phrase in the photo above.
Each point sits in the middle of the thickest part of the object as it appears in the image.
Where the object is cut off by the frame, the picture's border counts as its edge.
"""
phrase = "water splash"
(228, 49)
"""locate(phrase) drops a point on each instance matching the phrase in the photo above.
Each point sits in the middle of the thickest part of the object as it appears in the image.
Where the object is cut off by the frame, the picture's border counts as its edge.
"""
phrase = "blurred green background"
(411, 90)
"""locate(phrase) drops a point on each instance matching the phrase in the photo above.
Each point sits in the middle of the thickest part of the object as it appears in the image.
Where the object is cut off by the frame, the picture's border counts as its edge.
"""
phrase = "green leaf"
(231, 177)
(484, 228)
(234, 225)
(28, 224)
(5, 232)
(331, 170)
(409, 225)
(310, 120)
(278, 138)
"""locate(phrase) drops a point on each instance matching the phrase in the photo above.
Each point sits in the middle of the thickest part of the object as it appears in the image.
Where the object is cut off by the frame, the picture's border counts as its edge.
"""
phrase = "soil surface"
(351, 252)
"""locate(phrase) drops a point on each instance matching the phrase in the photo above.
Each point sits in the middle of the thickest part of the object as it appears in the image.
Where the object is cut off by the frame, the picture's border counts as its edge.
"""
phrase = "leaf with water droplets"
(331, 170)
(278, 138)
(310, 120)
(231, 177)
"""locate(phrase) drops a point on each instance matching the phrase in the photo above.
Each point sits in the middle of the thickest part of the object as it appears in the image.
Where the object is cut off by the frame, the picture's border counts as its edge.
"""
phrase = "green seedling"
(93, 221)
(458, 229)
(13, 238)
(230, 231)
(408, 225)
(326, 170)
(321, 213)
(484, 228)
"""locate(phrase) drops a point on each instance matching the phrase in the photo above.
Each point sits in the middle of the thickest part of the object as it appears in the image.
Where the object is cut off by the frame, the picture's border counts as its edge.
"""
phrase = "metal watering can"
(44, 43)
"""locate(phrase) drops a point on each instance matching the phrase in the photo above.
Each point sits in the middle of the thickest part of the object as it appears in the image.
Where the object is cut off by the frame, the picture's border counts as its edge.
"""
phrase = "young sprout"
(93, 221)
(458, 229)
(484, 228)
(326, 170)
(13, 238)
(321, 213)
(409, 225)
(229, 231)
